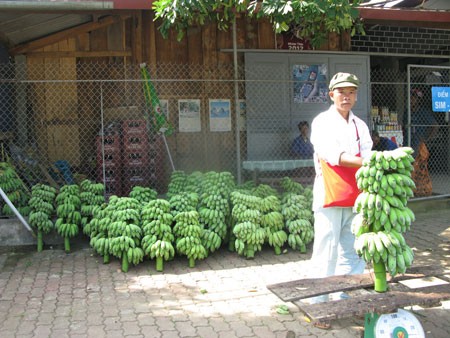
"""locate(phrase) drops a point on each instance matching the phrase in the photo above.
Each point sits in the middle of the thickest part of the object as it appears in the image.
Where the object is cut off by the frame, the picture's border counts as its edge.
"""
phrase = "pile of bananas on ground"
(272, 221)
(68, 206)
(91, 195)
(214, 208)
(14, 188)
(188, 236)
(157, 241)
(383, 215)
(183, 201)
(125, 231)
(249, 236)
(42, 207)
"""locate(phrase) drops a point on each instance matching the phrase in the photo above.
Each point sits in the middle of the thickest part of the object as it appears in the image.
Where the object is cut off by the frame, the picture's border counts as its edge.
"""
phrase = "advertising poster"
(189, 112)
(310, 83)
(219, 115)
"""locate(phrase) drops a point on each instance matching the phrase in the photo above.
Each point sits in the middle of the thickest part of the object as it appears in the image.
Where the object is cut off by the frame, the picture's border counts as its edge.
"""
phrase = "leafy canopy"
(310, 19)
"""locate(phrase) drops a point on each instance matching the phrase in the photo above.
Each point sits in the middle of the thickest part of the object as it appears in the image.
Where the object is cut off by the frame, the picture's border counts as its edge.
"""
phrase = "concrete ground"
(54, 294)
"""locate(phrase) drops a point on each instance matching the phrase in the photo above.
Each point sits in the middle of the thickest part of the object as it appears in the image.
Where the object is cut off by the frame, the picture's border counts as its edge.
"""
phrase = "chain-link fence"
(63, 122)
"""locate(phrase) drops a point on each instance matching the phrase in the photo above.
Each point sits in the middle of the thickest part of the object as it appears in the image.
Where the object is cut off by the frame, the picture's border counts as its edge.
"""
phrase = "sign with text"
(441, 99)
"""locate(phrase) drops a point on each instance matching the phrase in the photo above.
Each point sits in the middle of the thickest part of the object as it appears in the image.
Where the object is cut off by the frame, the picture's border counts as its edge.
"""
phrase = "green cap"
(340, 80)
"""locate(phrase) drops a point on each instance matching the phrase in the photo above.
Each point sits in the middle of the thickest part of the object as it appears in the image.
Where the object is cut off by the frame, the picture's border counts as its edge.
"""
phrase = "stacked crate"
(109, 162)
(136, 155)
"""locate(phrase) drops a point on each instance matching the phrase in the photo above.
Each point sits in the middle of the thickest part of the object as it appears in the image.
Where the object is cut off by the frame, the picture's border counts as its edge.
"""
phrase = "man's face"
(344, 98)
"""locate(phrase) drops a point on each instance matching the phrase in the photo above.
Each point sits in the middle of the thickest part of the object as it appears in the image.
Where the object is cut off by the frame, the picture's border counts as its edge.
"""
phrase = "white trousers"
(333, 251)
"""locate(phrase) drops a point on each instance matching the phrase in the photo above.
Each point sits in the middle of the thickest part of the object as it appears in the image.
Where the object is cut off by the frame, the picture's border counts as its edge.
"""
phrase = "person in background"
(382, 143)
(423, 123)
(301, 146)
(342, 139)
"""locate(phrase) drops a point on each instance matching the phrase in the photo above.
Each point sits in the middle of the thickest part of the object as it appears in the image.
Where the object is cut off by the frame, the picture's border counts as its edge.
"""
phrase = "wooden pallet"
(362, 298)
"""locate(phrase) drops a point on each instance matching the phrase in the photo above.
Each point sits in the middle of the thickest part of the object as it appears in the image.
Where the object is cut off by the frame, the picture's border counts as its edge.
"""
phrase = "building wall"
(403, 40)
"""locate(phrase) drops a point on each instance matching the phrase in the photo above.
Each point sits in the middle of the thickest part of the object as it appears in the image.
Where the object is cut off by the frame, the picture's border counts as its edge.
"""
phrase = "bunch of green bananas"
(91, 195)
(387, 247)
(143, 194)
(124, 231)
(188, 236)
(290, 186)
(296, 209)
(177, 183)
(15, 189)
(248, 235)
(183, 201)
(157, 228)
(42, 207)
(386, 185)
(68, 212)
(272, 221)
(97, 230)
(214, 208)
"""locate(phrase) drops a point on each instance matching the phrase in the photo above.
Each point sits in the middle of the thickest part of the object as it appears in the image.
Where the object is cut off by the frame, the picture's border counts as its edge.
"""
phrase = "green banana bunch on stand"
(272, 221)
(42, 207)
(125, 231)
(382, 213)
(158, 238)
(143, 194)
(91, 195)
(296, 210)
(188, 236)
(68, 211)
(97, 230)
(248, 235)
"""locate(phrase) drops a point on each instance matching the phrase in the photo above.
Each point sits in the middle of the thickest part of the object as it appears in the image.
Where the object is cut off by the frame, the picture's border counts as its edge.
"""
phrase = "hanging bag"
(341, 189)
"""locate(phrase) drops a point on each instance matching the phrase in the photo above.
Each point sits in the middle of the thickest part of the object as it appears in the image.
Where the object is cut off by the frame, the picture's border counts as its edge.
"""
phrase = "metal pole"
(16, 212)
(236, 105)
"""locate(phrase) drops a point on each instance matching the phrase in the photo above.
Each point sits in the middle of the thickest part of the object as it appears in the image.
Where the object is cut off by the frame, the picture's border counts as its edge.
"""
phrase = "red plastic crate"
(135, 143)
(110, 158)
(108, 143)
(136, 158)
(130, 127)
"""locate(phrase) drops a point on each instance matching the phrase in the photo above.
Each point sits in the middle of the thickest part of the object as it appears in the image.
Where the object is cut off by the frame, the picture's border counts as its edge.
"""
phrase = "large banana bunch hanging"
(383, 215)
(158, 239)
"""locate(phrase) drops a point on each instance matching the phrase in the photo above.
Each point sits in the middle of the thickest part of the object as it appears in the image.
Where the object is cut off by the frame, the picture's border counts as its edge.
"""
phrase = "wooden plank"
(266, 35)
(78, 54)
(374, 302)
(311, 287)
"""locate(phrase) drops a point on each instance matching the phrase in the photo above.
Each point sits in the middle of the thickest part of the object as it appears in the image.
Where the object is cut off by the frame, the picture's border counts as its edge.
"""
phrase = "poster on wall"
(189, 113)
(310, 83)
(219, 115)
(242, 111)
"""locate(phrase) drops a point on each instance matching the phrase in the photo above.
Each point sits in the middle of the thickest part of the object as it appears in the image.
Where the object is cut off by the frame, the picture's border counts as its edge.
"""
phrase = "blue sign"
(441, 99)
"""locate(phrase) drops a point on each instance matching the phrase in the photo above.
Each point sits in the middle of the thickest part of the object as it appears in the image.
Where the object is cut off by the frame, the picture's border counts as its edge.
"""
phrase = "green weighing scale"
(402, 324)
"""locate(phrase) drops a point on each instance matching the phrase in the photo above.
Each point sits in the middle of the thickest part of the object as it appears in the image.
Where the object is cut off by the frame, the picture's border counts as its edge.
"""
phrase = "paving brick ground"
(54, 294)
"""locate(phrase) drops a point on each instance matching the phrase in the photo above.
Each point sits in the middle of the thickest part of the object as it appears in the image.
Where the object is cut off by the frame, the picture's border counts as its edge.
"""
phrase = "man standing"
(340, 139)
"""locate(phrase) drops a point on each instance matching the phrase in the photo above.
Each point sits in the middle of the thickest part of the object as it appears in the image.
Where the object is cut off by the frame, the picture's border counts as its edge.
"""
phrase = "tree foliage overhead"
(310, 19)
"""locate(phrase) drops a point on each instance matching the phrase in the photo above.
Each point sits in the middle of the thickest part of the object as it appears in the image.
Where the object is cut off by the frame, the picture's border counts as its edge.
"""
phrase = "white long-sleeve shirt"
(331, 135)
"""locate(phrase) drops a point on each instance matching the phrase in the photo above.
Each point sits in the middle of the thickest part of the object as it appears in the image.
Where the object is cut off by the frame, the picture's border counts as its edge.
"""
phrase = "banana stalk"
(380, 277)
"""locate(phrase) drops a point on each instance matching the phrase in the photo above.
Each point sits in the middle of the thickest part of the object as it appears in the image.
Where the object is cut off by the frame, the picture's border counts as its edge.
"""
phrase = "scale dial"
(402, 324)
